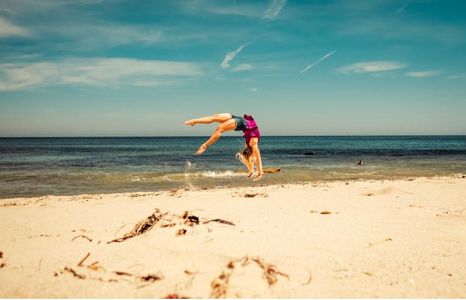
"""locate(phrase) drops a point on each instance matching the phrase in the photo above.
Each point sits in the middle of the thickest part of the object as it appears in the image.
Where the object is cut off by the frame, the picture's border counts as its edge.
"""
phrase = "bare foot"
(190, 122)
(250, 174)
(201, 150)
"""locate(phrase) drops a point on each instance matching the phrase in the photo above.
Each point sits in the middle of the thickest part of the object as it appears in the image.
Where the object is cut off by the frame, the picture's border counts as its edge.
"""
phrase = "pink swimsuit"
(252, 130)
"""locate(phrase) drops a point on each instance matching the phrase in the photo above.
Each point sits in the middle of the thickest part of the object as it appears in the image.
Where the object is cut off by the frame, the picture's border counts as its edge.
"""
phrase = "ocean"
(66, 166)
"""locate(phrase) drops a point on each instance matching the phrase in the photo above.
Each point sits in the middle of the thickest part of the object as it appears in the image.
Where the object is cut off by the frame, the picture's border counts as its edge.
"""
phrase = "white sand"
(382, 239)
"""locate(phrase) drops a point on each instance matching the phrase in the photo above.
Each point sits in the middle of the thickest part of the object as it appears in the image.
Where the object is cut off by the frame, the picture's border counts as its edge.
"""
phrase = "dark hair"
(247, 152)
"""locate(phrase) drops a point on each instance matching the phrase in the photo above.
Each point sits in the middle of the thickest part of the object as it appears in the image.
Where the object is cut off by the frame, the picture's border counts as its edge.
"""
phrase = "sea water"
(64, 166)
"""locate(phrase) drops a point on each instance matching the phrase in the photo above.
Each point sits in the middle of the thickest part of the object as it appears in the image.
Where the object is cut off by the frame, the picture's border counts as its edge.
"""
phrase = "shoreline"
(257, 184)
(349, 238)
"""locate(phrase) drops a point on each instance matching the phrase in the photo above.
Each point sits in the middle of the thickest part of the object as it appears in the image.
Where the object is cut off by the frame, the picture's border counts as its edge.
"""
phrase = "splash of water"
(187, 168)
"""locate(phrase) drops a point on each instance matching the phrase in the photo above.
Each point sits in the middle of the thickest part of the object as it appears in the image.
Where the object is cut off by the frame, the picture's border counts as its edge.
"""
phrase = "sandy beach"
(392, 238)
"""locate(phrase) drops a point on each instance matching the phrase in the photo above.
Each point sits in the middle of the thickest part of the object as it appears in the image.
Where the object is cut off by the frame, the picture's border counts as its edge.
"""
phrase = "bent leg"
(225, 126)
(219, 118)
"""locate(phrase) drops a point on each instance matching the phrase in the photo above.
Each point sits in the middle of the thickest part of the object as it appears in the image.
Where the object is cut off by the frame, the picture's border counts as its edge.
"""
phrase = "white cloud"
(317, 61)
(372, 66)
(242, 67)
(95, 72)
(94, 35)
(8, 29)
(422, 74)
(274, 9)
(457, 76)
(230, 56)
(254, 89)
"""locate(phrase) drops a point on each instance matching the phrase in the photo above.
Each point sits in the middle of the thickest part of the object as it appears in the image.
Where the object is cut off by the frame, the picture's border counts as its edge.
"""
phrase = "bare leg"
(219, 118)
(225, 126)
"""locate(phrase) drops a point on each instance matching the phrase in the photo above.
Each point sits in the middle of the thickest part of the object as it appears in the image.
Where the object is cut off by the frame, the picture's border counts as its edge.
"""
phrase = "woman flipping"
(231, 122)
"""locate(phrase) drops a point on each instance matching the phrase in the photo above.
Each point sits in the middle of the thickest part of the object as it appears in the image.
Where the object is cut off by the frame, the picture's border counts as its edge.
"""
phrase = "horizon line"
(228, 136)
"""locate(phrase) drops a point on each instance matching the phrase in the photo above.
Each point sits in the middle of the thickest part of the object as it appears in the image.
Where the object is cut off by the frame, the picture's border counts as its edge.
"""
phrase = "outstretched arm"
(254, 143)
(248, 162)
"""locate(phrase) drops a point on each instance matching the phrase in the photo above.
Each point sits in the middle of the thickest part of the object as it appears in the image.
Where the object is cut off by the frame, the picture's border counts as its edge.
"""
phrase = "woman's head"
(247, 152)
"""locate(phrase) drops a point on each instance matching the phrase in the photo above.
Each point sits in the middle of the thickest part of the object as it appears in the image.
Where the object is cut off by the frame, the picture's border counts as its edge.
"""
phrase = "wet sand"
(392, 238)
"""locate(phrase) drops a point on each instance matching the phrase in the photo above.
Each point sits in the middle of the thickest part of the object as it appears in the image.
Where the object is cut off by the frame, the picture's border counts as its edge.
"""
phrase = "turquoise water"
(40, 166)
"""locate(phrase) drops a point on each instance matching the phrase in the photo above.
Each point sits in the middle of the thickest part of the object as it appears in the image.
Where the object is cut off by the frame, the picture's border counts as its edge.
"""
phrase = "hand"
(259, 176)
(201, 149)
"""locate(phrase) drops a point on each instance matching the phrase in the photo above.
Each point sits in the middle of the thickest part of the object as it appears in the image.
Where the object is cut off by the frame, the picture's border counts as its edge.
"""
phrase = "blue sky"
(105, 68)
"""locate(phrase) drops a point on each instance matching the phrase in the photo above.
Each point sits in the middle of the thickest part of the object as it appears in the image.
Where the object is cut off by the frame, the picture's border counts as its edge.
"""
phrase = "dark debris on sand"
(163, 220)
(2, 263)
(220, 284)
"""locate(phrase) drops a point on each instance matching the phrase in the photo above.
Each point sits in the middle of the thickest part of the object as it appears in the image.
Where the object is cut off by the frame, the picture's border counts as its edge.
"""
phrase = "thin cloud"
(242, 67)
(230, 56)
(372, 67)
(317, 61)
(95, 72)
(457, 76)
(422, 74)
(8, 29)
(274, 9)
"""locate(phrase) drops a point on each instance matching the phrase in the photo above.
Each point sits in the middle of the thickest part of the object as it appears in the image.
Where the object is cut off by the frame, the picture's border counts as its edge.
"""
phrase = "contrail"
(319, 60)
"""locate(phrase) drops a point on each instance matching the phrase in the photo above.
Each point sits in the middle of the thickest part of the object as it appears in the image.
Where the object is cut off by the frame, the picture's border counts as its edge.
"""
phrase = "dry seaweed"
(80, 264)
(309, 280)
(220, 284)
(2, 264)
(175, 296)
(250, 195)
(187, 272)
(270, 271)
(141, 227)
(271, 170)
(151, 277)
(75, 274)
(181, 231)
(192, 220)
(82, 236)
(324, 212)
(386, 240)
(220, 221)
(95, 266)
(121, 273)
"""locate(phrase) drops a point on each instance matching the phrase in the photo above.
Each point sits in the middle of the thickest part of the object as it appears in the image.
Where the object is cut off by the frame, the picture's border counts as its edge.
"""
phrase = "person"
(228, 122)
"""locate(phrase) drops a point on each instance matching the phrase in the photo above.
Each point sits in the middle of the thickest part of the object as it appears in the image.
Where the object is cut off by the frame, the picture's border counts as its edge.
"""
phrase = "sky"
(140, 68)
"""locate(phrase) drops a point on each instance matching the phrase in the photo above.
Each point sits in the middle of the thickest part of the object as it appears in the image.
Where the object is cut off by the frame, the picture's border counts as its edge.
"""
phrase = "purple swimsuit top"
(252, 130)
